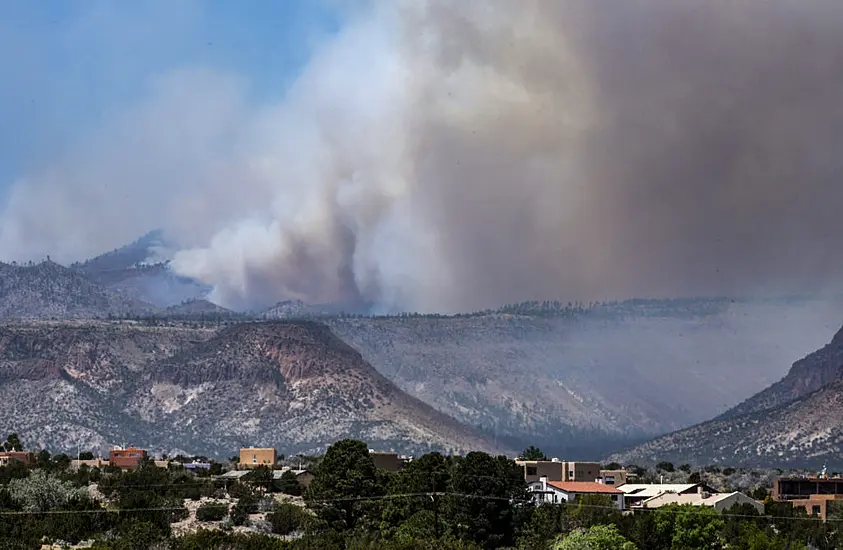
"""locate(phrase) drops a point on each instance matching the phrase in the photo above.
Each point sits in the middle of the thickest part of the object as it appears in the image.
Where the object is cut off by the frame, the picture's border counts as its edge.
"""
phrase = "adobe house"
(127, 458)
(252, 457)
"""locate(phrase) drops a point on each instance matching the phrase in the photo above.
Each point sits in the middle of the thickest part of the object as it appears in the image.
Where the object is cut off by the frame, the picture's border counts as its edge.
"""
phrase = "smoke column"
(444, 156)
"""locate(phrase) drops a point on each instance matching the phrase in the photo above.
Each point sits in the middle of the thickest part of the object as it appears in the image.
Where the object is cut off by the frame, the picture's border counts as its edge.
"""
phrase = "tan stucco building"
(252, 457)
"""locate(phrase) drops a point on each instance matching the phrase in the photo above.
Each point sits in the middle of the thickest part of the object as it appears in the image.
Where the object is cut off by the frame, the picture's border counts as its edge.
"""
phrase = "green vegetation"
(437, 502)
(212, 511)
(532, 453)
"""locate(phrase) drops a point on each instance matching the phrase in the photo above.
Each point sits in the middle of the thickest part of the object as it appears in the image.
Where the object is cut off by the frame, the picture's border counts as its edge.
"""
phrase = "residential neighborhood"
(259, 490)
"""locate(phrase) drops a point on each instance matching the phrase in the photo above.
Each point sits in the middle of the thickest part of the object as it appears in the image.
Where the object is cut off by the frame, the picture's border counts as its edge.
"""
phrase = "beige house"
(718, 501)
(93, 463)
(252, 457)
(637, 493)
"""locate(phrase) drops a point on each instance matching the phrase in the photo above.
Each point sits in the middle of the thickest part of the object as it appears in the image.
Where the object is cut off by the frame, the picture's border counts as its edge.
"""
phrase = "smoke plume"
(455, 155)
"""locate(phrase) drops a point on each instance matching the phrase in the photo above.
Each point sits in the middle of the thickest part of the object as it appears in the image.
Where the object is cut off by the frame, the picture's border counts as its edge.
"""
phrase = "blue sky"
(66, 66)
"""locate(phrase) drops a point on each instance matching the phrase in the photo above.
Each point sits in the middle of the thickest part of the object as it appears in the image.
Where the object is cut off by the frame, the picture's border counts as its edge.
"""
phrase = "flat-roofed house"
(252, 457)
(127, 458)
(718, 501)
(815, 494)
(637, 493)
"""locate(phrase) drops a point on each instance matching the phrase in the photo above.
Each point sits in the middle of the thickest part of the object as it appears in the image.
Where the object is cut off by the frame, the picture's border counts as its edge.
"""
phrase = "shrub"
(286, 518)
(211, 511)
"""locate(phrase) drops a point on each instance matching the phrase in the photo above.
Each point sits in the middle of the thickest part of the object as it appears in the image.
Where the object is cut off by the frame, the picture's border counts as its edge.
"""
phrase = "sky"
(431, 155)
(68, 66)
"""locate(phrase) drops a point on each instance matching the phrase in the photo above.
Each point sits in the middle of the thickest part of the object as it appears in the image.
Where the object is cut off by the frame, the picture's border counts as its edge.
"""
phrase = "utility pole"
(435, 498)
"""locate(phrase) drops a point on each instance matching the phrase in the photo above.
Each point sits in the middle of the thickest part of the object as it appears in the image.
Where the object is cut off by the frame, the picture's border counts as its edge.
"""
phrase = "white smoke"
(449, 156)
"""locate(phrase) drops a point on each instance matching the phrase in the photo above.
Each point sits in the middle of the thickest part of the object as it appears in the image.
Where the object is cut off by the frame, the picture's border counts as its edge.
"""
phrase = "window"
(532, 470)
(614, 498)
(254, 459)
(815, 510)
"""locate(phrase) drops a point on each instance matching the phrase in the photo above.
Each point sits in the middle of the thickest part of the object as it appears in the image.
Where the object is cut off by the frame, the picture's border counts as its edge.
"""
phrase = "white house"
(562, 492)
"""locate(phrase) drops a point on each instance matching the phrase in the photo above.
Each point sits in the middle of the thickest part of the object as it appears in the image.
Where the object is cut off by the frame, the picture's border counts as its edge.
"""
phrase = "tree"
(598, 537)
(289, 484)
(13, 443)
(430, 473)
(41, 492)
(346, 472)
(260, 477)
(286, 518)
(692, 527)
(533, 453)
(665, 466)
(486, 500)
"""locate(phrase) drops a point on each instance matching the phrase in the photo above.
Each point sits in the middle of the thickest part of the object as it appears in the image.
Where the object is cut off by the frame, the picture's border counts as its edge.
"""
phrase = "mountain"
(142, 271)
(49, 290)
(582, 381)
(200, 308)
(293, 385)
(797, 421)
(805, 377)
(297, 309)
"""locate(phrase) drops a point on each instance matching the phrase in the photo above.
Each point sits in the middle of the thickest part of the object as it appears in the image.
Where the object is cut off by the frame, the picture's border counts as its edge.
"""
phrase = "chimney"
(543, 480)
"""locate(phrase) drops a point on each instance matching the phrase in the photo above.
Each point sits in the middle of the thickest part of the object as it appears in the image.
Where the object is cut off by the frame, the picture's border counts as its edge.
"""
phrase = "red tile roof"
(584, 487)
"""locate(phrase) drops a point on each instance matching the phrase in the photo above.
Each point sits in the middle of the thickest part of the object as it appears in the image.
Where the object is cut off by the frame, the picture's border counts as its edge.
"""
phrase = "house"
(613, 477)
(718, 501)
(252, 457)
(562, 492)
(304, 477)
(100, 462)
(7, 457)
(636, 493)
(127, 458)
(388, 461)
(812, 493)
(557, 470)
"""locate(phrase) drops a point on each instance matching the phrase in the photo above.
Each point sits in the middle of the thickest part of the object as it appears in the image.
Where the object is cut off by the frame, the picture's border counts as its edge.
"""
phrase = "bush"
(211, 511)
(286, 518)
(240, 512)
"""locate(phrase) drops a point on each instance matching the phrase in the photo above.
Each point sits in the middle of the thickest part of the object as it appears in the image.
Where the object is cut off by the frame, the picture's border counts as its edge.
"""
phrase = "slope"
(49, 290)
(582, 383)
(796, 422)
(290, 385)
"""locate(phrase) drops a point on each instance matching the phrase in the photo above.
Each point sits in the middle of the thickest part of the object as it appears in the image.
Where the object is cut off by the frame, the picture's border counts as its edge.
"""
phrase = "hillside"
(580, 383)
(141, 270)
(291, 385)
(48, 290)
(797, 421)
(806, 376)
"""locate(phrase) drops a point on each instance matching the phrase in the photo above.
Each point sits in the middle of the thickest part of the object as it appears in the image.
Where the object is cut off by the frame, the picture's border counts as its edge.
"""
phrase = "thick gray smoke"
(454, 155)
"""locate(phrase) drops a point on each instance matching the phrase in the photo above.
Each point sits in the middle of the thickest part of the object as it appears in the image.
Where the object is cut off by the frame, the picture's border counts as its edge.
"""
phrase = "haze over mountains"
(578, 380)
(798, 421)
